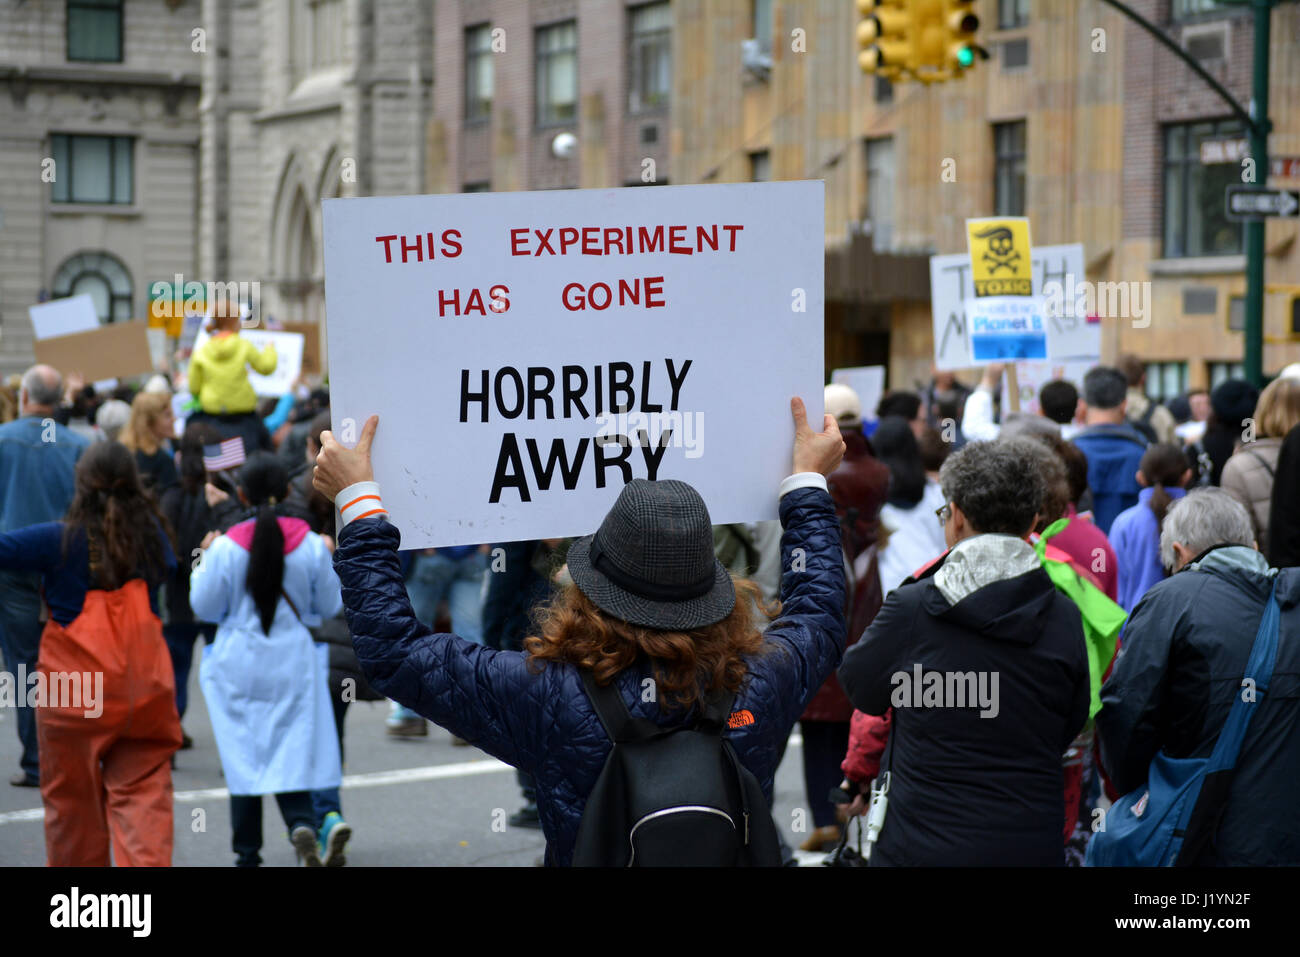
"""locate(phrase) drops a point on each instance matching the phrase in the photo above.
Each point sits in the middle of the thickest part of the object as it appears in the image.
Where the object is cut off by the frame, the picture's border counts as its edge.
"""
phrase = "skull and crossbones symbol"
(1000, 252)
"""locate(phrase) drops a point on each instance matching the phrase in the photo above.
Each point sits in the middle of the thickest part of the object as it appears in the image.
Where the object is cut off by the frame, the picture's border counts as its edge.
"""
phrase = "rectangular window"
(478, 73)
(557, 74)
(1009, 169)
(880, 192)
(650, 52)
(92, 169)
(95, 30)
(1223, 371)
(1012, 14)
(1187, 9)
(1196, 223)
(1165, 380)
(760, 167)
(761, 24)
(884, 90)
(476, 188)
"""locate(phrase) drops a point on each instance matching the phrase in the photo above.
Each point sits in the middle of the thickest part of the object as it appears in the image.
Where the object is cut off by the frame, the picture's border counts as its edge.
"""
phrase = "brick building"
(99, 145)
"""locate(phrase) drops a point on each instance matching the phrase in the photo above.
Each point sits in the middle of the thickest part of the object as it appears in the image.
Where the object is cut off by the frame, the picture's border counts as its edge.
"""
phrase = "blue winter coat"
(542, 722)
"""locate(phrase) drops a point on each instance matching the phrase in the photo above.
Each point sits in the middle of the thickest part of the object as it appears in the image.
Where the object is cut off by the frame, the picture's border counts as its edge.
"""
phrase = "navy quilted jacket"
(542, 722)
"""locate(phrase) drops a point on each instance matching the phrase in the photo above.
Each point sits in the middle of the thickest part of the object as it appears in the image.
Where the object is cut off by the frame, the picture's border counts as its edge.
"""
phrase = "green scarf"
(1102, 618)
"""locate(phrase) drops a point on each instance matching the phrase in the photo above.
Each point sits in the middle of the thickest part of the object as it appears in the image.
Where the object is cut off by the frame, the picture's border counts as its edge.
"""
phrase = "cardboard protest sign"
(1070, 333)
(868, 382)
(62, 317)
(288, 364)
(117, 350)
(530, 353)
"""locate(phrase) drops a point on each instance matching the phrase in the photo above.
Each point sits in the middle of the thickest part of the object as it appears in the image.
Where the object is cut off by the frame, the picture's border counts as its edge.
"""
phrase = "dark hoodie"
(978, 785)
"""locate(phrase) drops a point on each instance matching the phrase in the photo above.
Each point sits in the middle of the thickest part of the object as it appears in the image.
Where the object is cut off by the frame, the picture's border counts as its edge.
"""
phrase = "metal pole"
(1253, 360)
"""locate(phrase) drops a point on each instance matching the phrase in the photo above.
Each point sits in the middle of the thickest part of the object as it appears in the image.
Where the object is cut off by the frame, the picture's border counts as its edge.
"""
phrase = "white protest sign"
(868, 382)
(1032, 376)
(288, 362)
(498, 335)
(63, 317)
(952, 286)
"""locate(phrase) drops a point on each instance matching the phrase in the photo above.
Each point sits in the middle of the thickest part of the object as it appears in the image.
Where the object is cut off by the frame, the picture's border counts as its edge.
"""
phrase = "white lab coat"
(268, 695)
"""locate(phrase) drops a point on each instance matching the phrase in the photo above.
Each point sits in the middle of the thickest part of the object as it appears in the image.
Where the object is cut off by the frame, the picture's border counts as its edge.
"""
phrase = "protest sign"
(119, 349)
(311, 351)
(1032, 376)
(1070, 334)
(868, 382)
(530, 353)
(288, 365)
(62, 317)
(1005, 319)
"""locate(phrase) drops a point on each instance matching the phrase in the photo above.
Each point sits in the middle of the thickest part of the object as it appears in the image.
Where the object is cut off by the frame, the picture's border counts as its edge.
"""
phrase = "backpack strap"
(612, 711)
(1261, 460)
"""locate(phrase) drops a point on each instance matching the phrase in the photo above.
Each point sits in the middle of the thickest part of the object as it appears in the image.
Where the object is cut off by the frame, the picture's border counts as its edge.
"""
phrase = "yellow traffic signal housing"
(886, 35)
(960, 28)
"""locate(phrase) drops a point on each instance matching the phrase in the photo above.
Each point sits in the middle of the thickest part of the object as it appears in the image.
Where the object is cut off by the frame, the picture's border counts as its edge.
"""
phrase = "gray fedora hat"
(651, 561)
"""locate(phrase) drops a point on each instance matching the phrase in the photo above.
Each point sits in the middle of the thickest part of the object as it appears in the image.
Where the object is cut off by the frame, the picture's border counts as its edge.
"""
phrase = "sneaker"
(25, 780)
(408, 728)
(334, 834)
(303, 840)
(526, 816)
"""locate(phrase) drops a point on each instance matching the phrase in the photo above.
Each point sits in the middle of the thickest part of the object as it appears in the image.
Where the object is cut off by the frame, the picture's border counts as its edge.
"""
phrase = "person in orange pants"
(104, 690)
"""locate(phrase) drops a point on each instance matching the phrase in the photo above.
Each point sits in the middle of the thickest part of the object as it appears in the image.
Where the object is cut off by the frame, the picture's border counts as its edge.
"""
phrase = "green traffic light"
(966, 56)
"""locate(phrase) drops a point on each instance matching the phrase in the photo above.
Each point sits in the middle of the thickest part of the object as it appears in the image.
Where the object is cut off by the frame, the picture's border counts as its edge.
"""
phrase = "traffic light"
(960, 26)
(886, 36)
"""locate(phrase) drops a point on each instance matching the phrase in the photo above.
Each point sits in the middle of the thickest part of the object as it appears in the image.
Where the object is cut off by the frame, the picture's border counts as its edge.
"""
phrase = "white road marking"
(371, 779)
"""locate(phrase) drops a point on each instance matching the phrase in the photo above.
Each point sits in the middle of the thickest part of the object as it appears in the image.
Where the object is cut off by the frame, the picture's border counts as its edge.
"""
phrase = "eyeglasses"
(943, 513)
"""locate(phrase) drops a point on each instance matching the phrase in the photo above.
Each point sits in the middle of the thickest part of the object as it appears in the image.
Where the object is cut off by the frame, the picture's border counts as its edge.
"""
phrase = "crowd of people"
(1093, 574)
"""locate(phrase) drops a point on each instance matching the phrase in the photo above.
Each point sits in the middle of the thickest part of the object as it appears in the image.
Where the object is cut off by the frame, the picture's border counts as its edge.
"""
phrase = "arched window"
(102, 276)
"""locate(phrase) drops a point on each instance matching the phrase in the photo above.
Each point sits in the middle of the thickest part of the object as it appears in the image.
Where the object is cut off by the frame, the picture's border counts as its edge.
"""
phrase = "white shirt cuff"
(359, 500)
(803, 480)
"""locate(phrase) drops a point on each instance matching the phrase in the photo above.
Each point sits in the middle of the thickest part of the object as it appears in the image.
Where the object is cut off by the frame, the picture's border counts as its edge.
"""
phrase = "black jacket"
(970, 790)
(1184, 656)
(191, 518)
(1284, 513)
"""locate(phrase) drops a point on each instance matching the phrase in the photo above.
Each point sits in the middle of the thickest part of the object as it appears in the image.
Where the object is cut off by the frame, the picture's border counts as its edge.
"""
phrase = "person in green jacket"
(218, 373)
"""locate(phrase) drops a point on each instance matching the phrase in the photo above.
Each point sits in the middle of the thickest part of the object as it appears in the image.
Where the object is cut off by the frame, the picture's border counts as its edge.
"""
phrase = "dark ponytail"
(1163, 466)
(265, 482)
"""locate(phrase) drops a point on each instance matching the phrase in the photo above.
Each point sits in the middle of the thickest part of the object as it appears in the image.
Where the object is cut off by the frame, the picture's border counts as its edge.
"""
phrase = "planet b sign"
(1006, 320)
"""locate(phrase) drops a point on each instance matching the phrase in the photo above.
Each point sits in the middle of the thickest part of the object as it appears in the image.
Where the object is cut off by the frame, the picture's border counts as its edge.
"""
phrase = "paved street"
(418, 802)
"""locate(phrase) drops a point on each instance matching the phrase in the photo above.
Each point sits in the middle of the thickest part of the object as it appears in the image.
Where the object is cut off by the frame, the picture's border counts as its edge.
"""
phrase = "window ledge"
(96, 209)
(1198, 265)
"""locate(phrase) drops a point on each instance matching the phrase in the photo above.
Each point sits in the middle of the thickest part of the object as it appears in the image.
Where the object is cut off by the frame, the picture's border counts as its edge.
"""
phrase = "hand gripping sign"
(530, 353)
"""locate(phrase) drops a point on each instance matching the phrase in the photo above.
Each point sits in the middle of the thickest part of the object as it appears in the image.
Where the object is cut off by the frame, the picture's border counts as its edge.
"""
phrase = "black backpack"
(1143, 424)
(672, 797)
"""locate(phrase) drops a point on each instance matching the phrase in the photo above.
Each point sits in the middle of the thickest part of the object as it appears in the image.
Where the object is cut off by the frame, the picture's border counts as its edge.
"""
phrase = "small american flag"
(227, 455)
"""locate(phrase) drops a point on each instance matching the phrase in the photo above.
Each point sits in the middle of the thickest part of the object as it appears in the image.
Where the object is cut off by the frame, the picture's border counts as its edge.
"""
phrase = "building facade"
(305, 100)
(99, 148)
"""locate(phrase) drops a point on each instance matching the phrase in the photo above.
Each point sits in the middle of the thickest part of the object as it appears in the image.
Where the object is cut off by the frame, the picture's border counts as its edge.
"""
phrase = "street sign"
(1245, 202)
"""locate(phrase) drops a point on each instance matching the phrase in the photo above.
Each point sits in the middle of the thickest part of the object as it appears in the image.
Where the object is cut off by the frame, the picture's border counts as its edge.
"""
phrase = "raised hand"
(815, 451)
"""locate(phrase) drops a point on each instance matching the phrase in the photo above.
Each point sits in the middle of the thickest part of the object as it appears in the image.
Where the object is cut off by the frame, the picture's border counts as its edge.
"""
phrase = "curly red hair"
(688, 666)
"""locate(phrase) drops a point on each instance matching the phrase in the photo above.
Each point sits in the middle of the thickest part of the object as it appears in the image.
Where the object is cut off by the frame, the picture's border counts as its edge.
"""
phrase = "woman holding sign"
(652, 646)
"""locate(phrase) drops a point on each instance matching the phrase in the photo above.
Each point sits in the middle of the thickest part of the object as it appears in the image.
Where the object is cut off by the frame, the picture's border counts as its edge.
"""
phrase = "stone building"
(304, 100)
(99, 156)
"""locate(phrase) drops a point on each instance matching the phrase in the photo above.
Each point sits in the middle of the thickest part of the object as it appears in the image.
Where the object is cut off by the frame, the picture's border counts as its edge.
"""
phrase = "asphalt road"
(411, 802)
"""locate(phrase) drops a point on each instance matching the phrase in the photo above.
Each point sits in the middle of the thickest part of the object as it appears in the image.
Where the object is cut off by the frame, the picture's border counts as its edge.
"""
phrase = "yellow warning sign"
(1000, 256)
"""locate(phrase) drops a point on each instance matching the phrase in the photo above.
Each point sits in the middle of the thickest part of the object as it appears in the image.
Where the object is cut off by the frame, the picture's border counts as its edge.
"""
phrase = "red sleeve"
(868, 735)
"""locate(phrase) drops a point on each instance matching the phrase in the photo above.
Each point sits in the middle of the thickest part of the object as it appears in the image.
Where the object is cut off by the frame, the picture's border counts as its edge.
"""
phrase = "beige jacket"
(1248, 477)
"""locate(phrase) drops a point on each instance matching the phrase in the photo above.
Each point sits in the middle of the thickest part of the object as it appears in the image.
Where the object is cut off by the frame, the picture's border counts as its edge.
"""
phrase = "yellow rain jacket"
(218, 377)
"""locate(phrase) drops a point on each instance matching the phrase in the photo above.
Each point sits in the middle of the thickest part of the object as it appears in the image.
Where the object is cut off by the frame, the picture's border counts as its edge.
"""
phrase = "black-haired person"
(264, 583)
(1135, 535)
(1113, 447)
(105, 747)
(193, 508)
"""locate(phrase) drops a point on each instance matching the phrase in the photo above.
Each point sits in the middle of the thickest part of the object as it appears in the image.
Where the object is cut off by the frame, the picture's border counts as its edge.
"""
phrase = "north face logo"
(739, 719)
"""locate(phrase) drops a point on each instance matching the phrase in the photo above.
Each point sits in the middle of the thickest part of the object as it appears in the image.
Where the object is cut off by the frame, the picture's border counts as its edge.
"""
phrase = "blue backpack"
(1175, 816)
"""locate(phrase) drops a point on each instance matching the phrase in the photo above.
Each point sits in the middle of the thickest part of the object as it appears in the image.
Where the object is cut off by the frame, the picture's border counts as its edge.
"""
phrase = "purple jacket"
(1136, 540)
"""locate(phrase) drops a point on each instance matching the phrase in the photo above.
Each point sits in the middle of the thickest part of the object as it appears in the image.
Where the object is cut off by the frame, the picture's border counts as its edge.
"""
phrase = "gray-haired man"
(1181, 666)
(37, 461)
